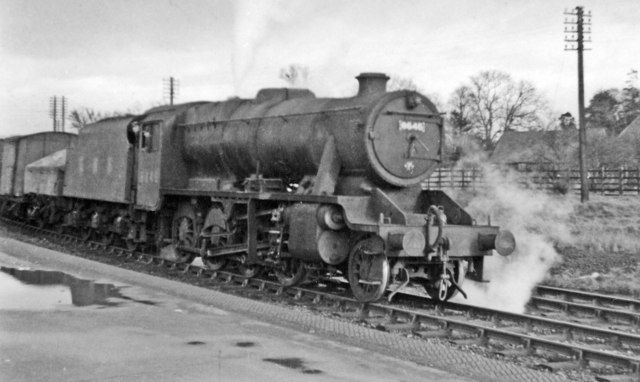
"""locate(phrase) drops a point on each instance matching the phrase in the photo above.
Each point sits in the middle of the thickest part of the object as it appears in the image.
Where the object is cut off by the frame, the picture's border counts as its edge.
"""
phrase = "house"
(632, 131)
(525, 148)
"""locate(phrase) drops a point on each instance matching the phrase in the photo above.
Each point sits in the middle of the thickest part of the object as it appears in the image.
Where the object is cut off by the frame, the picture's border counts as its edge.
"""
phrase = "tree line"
(490, 103)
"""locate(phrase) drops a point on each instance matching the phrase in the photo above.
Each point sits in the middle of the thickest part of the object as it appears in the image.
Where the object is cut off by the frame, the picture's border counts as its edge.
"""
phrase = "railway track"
(614, 309)
(558, 344)
(578, 345)
(599, 299)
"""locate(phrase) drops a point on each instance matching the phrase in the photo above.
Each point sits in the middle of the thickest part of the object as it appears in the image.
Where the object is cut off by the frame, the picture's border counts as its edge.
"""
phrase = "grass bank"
(598, 242)
(604, 254)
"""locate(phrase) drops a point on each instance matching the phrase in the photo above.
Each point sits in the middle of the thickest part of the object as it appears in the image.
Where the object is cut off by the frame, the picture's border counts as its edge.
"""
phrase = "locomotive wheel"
(60, 229)
(368, 274)
(86, 234)
(292, 274)
(107, 238)
(248, 271)
(183, 235)
(215, 263)
(131, 245)
(4, 208)
(433, 287)
(43, 220)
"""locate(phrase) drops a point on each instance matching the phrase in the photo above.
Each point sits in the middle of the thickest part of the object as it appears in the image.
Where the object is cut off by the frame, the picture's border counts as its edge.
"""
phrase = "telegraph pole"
(63, 109)
(171, 89)
(56, 104)
(53, 111)
(575, 38)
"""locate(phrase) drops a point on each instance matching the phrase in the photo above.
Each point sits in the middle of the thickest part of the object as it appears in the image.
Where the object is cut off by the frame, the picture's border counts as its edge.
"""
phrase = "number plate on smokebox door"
(412, 126)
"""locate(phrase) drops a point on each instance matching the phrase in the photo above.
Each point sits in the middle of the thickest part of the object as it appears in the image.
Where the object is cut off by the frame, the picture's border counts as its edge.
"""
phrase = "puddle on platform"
(27, 289)
(293, 363)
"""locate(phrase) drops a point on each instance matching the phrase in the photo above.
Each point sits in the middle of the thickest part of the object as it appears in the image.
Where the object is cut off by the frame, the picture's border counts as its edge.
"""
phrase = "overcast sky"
(113, 55)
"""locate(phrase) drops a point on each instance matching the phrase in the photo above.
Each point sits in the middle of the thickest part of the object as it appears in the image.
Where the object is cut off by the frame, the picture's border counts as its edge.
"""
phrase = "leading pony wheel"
(368, 274)
(456, 271)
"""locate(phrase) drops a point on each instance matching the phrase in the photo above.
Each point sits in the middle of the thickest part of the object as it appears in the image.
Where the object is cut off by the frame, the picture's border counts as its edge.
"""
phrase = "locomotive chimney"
(371, 83)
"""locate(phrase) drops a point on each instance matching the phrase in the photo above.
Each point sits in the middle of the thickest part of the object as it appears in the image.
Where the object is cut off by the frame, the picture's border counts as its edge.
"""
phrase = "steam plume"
(538, 221)
(254, 22)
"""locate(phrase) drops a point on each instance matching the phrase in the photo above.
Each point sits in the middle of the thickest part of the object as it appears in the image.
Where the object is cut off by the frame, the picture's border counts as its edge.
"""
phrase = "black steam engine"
(299, 186)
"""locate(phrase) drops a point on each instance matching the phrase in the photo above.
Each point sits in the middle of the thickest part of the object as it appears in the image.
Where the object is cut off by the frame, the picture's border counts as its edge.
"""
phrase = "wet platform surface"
(66, 319)
(32, 289)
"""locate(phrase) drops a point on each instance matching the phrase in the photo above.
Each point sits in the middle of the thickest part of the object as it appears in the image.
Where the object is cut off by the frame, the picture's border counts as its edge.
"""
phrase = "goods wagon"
(19, 151)
(46, 176)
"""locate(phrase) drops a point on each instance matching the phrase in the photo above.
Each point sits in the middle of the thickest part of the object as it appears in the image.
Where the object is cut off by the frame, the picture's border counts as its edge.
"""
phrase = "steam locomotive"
(298, 186)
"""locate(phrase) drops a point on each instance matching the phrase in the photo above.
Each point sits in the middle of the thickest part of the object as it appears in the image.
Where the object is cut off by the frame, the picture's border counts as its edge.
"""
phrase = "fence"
(604, 181)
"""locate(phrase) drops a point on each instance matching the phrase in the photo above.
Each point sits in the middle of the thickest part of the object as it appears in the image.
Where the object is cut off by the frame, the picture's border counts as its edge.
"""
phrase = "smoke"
(272, 36)
(537, 219)
(295, 75)
(251, 26)
(254, 23)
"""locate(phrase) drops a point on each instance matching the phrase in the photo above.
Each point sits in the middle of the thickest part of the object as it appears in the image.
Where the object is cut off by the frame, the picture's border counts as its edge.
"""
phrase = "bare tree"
(405, 83)
(631, 97)
(295, 75)
(84, 116)
(461, 110)
(492, 103)
(401, 83)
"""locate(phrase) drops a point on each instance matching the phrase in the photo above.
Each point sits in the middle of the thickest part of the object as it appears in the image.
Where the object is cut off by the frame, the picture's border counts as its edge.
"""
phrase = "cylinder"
(333, 246)
(330, 217)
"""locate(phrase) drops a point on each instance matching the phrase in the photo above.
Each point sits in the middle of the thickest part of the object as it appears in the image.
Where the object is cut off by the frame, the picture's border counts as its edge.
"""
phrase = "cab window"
(149, 137)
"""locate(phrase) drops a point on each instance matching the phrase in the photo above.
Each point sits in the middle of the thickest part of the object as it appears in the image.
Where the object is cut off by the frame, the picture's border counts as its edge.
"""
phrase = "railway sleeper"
(618, 378)
(560, 365)
(514, 352)
(478, 341)
(437, 333)
(401, 326)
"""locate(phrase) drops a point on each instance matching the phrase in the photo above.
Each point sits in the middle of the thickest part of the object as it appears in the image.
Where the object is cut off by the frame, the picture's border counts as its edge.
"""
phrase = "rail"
(596, 299)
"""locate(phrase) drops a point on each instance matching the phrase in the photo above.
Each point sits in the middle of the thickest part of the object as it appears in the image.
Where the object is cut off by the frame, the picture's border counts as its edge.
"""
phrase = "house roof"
(534, 146)
(633, 129)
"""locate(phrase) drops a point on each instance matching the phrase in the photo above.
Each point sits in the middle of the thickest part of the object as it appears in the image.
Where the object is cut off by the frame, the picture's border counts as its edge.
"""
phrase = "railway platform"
(162, 330)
